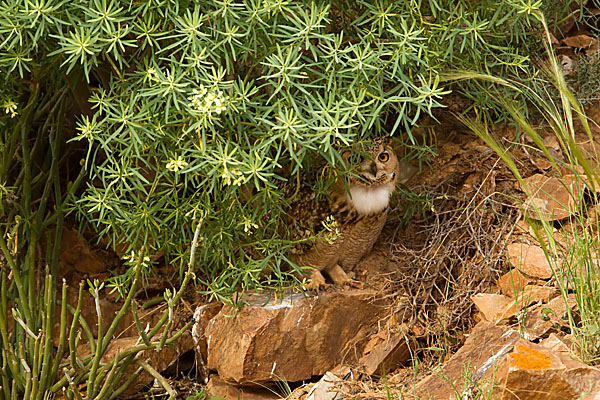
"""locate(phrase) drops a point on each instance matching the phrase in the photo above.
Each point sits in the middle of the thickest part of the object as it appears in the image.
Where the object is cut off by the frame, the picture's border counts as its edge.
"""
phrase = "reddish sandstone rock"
(202, 317)
(530, 294)
(496, 358)
(580, 41)
(76, 253)
(474, 363)
(513, 282)
(552, 198)
(543, 317)
(328, 388)
(293, 338)
(529, 259)
(217, 388)
(387, 354)
(491, 305)
(534, 372)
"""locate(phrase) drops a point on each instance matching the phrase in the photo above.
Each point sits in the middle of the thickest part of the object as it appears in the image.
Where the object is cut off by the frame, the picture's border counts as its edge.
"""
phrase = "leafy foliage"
(200, 109)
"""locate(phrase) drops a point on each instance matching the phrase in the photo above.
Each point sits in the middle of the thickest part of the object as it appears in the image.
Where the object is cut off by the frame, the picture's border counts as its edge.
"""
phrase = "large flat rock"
(291, 338)
(497, 361)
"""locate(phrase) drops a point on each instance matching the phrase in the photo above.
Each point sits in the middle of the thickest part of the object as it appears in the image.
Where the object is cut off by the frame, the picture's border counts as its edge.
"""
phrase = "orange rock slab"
(291, 338)
(534, 372)
(511, 368)
(529, 259)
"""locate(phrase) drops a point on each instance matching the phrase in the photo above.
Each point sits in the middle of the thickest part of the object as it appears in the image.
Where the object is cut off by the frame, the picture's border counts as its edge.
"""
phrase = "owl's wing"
(315, 217)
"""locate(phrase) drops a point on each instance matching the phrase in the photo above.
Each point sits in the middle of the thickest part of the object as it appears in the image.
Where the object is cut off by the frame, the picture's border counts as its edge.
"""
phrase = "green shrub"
(200, 109)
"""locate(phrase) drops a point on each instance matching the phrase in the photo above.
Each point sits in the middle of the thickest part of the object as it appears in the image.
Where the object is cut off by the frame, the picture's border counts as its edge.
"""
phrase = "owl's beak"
(373, 168)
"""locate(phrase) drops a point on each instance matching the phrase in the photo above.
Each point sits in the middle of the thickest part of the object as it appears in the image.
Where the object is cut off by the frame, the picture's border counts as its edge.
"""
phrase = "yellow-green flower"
(10, 107)
(208, 101)
(132, 258)
(176, 165)
(249, 225)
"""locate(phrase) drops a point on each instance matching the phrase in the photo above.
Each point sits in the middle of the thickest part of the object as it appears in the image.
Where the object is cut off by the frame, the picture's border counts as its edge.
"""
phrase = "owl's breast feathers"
(312, 216)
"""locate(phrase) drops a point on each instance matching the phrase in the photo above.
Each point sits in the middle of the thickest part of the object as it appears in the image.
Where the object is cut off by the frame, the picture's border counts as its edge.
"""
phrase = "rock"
(542, 163)
(535, 293)
(491, 305)
(495, 356)
(531, 294)
(202, 316)
(496, 307)
(567, 65)
(580, 41)
(292, 338)
(529, 259)
(76, 253)
(535, 372)
(475, 361)
(551, 143)
(387, 354)
(554, 343)
(543, 317)
(552, 198)
(513, 282)
(326, 389)
(523, 227)
(218, 388)
(334, 381)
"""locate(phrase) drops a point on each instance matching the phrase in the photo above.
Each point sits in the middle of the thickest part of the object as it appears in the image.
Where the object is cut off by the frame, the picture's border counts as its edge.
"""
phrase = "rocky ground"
(454, 302)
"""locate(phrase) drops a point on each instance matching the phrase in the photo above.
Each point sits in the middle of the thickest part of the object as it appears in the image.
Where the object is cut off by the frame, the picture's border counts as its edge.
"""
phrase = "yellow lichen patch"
(527, 358)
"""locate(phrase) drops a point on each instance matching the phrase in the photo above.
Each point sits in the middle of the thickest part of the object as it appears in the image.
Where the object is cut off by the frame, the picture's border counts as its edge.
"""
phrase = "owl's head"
(378, 164)
(371, 187)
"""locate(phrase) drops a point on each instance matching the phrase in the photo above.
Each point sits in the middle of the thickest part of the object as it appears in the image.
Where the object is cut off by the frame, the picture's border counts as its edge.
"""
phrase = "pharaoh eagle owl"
(350, 217)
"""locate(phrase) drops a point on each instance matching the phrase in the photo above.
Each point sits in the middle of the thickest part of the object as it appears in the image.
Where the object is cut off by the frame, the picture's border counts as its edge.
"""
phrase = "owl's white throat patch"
(370, 199)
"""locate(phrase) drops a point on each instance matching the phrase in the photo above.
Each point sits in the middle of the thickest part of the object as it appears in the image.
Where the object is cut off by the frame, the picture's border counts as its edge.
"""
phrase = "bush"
(200, 109)
(186, 104)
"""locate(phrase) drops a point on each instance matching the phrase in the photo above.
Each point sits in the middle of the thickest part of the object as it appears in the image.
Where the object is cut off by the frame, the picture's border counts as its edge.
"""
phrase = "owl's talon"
(338, 276)
(317, 281)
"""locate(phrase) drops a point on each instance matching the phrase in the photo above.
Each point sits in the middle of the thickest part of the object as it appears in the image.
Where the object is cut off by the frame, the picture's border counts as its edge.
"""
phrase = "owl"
(348, 220)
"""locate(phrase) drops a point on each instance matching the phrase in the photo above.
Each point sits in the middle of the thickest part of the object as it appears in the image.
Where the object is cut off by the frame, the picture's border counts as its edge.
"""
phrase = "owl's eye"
(383, 157)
